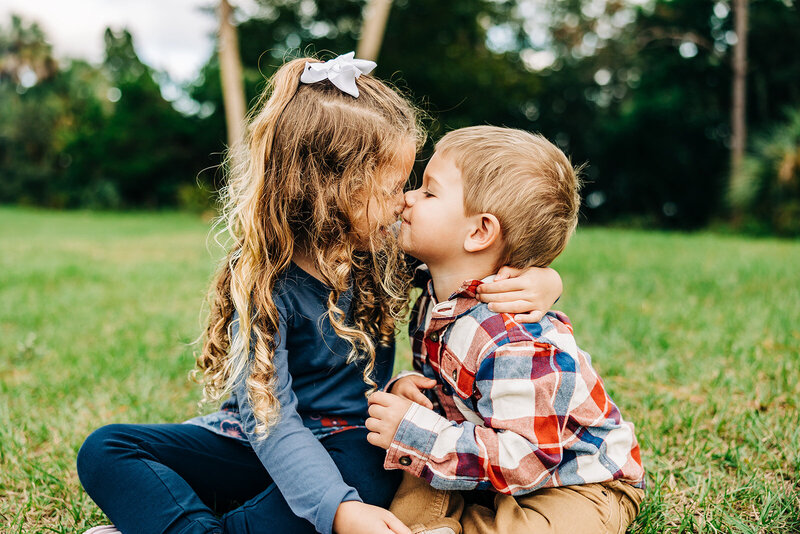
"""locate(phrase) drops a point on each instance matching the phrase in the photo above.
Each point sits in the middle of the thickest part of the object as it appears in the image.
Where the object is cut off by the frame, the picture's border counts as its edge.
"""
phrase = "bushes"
(765, 194)
(97, 137)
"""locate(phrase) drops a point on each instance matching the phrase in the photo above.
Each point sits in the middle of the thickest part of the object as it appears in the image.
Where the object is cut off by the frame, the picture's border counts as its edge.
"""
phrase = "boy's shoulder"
(482, 332)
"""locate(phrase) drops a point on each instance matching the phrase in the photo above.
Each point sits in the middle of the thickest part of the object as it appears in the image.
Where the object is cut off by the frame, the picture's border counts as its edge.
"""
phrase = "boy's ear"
(483, 234)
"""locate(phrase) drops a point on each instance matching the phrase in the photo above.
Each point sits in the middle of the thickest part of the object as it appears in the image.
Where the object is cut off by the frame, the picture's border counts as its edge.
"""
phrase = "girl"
(301, 327)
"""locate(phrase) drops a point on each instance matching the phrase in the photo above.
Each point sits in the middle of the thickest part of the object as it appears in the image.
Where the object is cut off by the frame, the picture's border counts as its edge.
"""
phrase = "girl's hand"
(386, 412)
(410, 387)
(528, 293)
(354, 517)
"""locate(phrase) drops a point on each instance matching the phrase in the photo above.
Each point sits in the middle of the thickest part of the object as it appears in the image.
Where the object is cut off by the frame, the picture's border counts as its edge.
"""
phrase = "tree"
(25, 56)
(640, 91)
(372, 29)
(29, 113)
(231, 73)
(739, 104)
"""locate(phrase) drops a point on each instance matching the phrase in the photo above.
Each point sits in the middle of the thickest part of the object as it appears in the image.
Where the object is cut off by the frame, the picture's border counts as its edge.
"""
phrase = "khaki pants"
(587, 509)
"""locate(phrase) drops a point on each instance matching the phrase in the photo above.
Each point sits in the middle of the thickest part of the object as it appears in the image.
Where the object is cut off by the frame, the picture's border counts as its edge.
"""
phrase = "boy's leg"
(361, 466)
(587, 509)
(425, 509)
(629, 500)
(167, 478)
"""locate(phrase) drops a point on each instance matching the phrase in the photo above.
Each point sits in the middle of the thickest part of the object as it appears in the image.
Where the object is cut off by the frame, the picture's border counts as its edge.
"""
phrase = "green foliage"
(638, 90)
(94, 137)
(640, 93)
(767, 191)
(696, 337)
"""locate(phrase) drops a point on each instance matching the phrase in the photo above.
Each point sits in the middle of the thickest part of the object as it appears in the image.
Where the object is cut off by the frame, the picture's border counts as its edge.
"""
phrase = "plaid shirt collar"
(461, 302)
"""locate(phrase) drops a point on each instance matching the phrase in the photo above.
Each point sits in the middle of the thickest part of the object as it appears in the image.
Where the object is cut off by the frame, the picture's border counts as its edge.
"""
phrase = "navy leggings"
(181, 478)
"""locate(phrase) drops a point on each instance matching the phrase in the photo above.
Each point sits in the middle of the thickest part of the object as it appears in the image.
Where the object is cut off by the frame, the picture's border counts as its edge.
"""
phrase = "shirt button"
(405, 460)
(435, 337)
(455, 375)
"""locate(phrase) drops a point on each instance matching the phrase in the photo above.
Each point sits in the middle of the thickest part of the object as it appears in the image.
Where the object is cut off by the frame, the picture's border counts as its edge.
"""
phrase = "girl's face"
(387, 202)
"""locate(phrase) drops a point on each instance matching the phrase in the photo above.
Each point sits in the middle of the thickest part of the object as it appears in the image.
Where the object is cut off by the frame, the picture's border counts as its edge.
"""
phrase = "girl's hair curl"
(314, 157)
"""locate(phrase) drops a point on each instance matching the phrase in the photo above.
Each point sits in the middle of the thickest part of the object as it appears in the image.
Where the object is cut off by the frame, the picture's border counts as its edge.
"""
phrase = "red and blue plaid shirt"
(517, 407)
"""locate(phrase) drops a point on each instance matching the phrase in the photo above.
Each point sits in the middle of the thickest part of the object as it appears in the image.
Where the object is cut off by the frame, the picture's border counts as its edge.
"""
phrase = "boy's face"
(434, 223)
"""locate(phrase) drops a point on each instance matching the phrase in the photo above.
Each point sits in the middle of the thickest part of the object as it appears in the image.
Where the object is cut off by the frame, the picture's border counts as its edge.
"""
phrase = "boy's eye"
(427, 193)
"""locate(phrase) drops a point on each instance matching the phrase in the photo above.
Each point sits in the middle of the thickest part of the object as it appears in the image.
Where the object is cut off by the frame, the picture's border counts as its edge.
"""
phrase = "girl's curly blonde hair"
(314, 157)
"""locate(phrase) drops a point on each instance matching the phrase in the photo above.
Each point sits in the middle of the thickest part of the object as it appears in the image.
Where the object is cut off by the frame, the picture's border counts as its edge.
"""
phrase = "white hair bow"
(342, 71)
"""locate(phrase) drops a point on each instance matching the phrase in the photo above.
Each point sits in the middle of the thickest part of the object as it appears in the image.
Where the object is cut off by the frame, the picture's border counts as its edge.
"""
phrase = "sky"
(175, 36)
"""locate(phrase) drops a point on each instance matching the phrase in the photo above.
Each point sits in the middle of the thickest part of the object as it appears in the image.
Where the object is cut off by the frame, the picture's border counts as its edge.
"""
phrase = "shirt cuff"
(413, 441)
(400, 375)
(330, 503)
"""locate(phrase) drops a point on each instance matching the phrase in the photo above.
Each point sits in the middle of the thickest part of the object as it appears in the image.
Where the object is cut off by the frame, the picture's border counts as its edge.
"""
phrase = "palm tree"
(738, 103)
(372, 28)
(230, 65)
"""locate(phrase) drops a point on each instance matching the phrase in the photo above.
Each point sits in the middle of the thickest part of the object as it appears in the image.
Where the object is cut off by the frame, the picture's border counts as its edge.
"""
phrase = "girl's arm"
(295, 460)
(355, 517)
(301, 467)
(528, 293)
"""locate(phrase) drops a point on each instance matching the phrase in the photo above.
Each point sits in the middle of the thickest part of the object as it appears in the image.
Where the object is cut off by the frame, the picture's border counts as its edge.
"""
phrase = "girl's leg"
(361, 465)
(167, 478)
(171, 478)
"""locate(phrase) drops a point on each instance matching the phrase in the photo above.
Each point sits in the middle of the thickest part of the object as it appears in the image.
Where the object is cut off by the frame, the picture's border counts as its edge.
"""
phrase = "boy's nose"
(409, 198)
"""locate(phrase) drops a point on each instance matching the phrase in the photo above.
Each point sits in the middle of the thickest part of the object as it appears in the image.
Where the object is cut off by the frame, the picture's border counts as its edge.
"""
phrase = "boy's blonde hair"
(522, 179)
(313, 159)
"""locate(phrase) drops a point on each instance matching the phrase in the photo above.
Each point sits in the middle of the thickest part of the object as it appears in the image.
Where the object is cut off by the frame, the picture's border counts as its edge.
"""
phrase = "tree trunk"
(230, 66)
(372, 29)
(738, 101)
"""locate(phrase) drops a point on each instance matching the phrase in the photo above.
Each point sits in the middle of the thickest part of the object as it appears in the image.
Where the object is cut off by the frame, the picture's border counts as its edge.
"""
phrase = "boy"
(515, 409)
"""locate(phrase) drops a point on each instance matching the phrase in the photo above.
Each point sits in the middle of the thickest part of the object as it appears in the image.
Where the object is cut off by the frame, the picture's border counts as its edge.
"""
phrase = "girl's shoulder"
(295, 278)
(297, 292)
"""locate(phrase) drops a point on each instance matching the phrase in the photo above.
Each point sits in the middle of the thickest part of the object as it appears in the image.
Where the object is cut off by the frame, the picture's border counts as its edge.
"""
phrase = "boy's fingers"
(421, 399)
(377, 411)
(373, 438)
(371, 424)
(532, 317)
(380, 397)
(423, 382)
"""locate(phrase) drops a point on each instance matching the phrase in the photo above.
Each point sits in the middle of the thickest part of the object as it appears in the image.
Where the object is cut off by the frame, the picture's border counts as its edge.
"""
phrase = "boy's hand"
(528, 293)
(354, 517)
(410, 387)
(386, 411)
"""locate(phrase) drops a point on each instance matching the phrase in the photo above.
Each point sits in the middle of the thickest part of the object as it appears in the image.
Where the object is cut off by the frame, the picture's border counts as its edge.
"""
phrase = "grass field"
(697, 337)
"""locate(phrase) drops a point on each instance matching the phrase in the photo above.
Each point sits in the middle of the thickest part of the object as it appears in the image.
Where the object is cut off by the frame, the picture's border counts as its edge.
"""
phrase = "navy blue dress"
(214, 474)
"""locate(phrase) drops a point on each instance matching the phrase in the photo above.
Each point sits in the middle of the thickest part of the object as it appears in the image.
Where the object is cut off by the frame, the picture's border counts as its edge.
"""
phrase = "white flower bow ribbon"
(342, 71)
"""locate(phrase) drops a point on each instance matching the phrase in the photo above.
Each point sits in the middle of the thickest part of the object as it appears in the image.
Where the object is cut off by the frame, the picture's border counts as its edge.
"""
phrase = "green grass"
(697, 337)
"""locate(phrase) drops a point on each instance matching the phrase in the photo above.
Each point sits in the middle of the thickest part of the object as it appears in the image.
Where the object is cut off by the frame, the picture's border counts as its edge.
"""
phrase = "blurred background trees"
(641, 90)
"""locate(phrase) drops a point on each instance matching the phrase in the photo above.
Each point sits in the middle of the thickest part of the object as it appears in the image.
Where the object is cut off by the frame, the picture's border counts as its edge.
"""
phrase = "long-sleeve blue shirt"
(318, 392)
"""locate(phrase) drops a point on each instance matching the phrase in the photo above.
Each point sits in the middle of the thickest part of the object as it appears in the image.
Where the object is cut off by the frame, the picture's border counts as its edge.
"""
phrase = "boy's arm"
(402, 374)
(525, 391)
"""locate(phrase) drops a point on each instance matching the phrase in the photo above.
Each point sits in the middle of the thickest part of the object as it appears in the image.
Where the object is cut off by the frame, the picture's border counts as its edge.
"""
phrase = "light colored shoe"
(103, 529)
